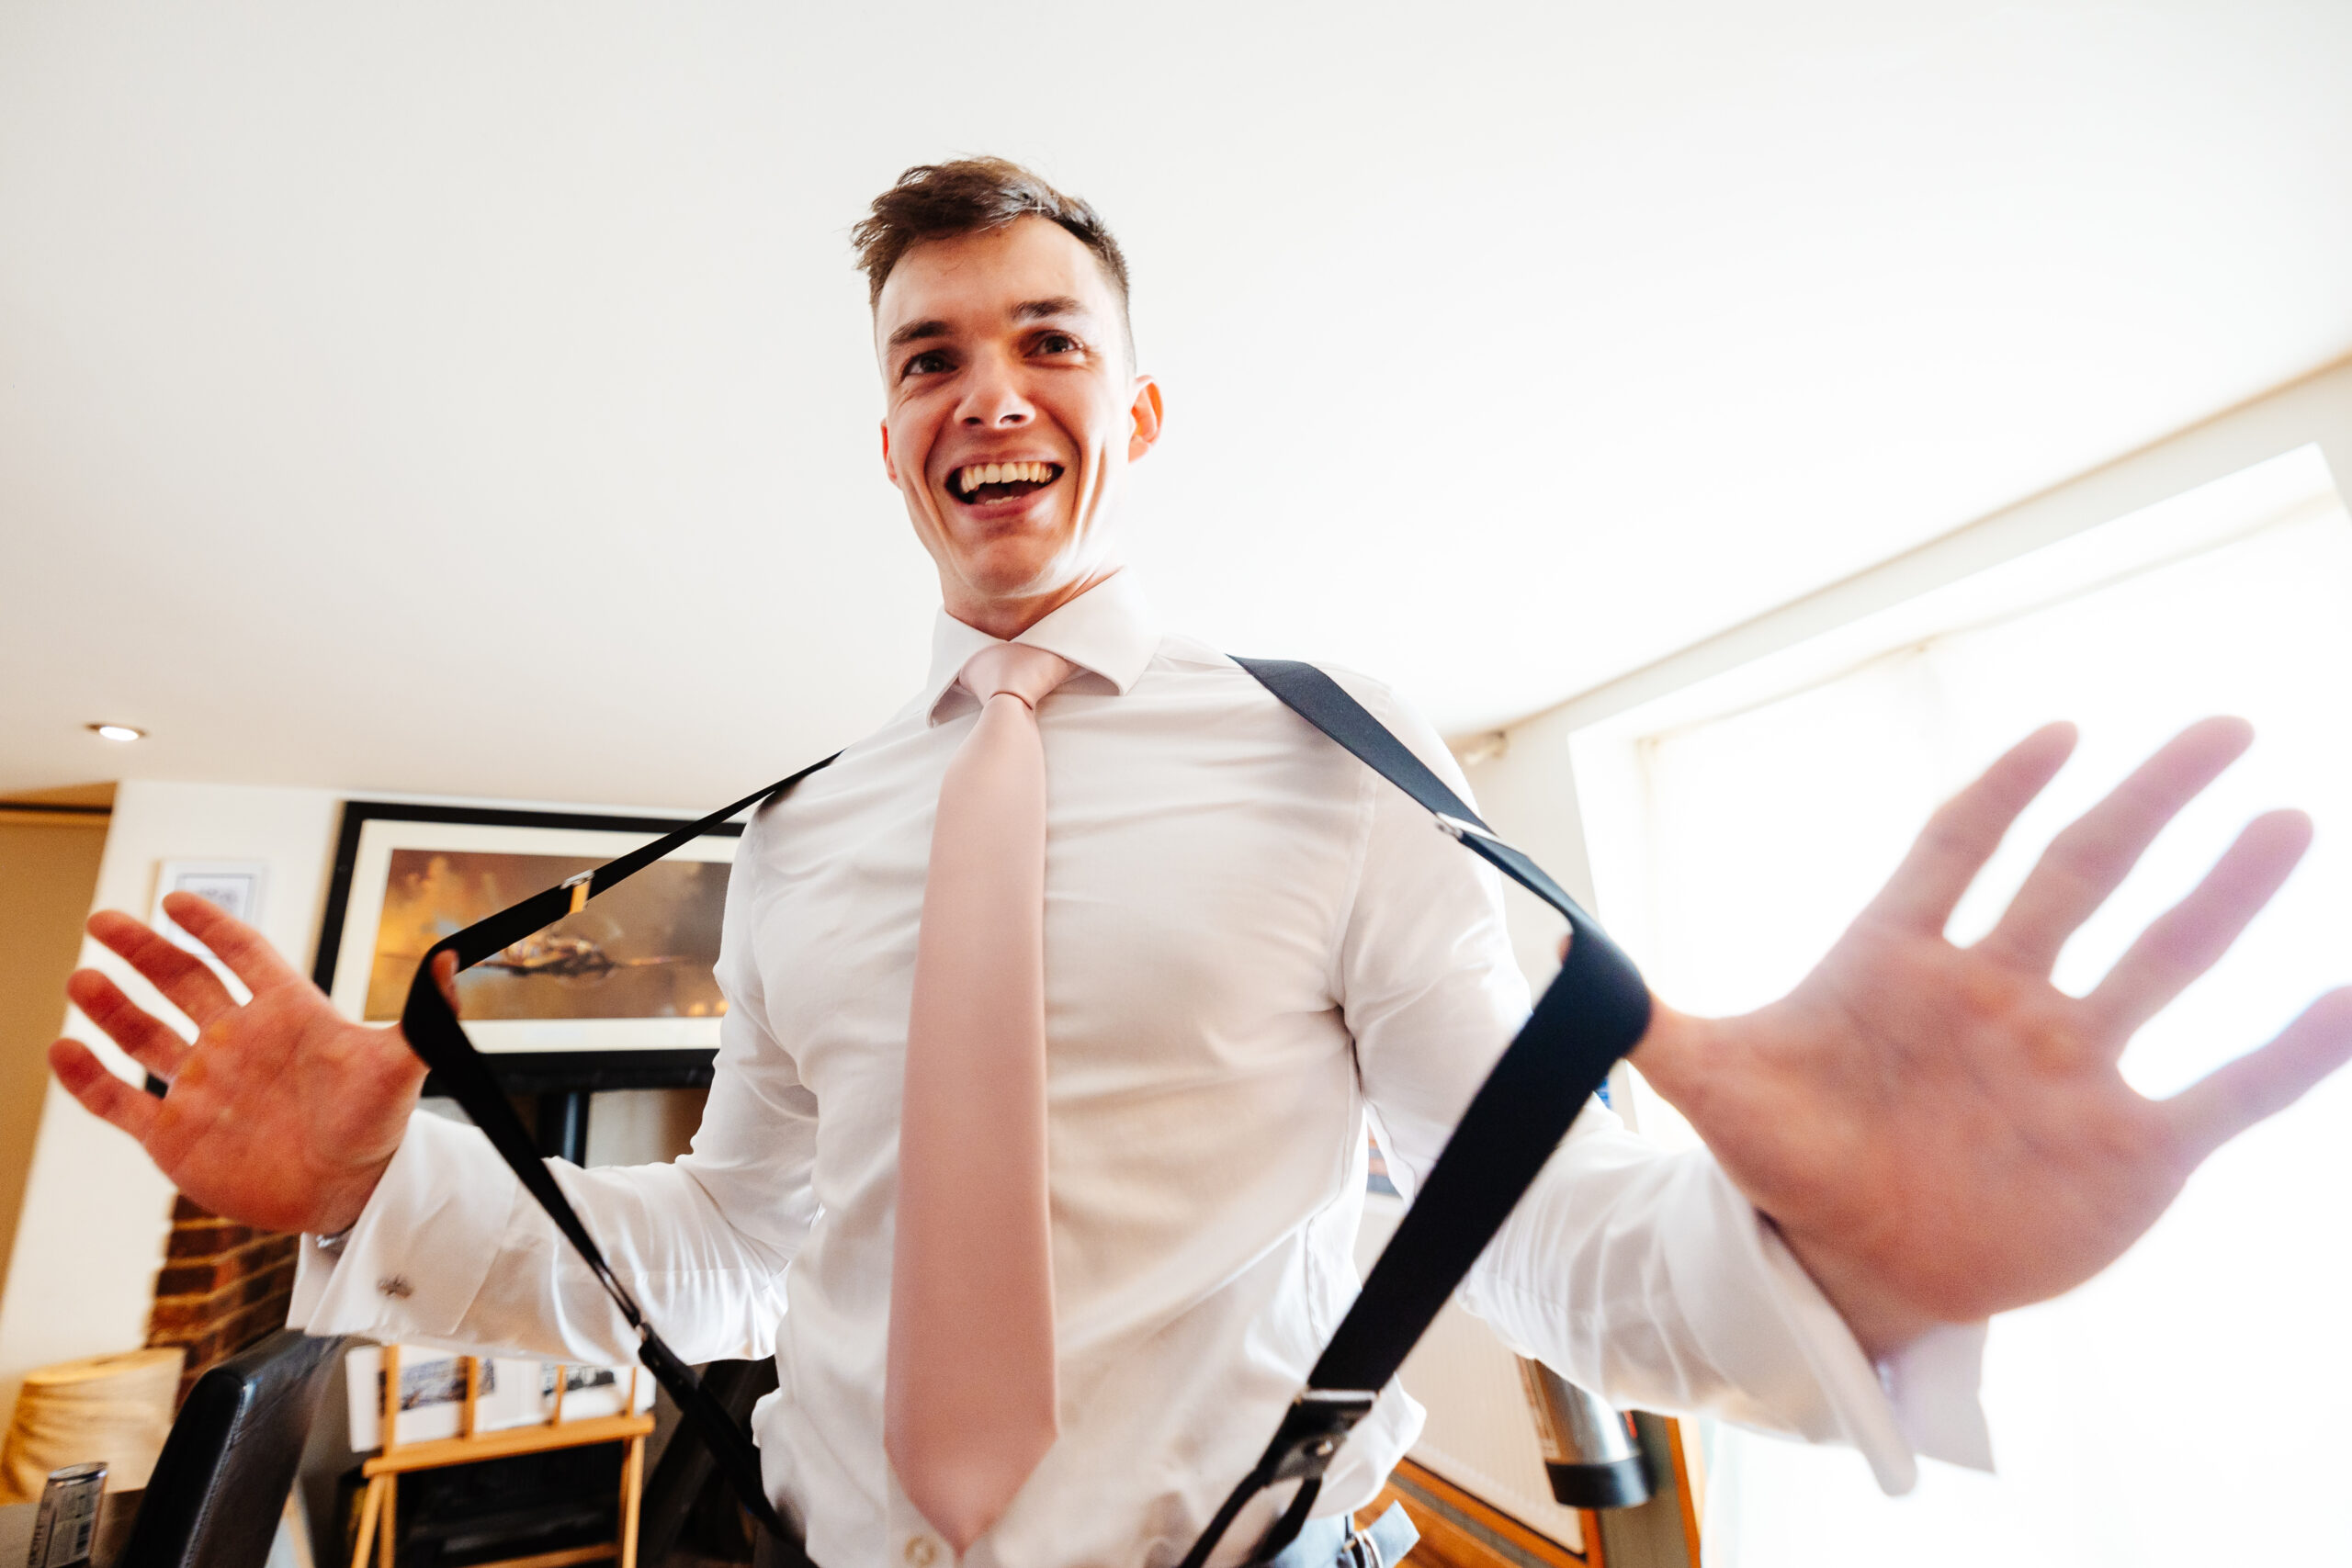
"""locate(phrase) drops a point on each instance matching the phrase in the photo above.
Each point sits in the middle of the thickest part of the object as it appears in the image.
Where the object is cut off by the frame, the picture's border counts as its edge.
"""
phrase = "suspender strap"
(433, 1033)
(1595, 1010)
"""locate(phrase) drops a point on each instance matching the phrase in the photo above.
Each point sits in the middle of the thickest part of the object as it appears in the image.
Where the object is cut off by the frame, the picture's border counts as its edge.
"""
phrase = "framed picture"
(620, 995)
(236, 886)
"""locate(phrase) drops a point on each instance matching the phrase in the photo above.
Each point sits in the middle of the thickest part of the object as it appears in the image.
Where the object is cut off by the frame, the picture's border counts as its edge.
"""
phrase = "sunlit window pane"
(2186, 1408)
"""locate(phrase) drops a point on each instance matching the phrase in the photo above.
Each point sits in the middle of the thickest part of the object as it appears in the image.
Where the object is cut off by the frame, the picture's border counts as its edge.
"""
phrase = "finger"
(2236, 1095)
(1965, 830)
(2190, 937)
(245, 951)
(2097, 851)
(182, 977)
(144, 1038)
(101, 1093)
(444, 976)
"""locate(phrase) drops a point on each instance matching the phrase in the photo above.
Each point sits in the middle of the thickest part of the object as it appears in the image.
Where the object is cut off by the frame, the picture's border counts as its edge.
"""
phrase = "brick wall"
(222, 1286)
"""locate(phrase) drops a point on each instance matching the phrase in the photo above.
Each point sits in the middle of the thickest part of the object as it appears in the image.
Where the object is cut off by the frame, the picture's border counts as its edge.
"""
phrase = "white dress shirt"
(1253, 946)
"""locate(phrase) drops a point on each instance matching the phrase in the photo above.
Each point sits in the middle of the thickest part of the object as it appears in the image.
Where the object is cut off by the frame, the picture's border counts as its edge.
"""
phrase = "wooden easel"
(383, 1471)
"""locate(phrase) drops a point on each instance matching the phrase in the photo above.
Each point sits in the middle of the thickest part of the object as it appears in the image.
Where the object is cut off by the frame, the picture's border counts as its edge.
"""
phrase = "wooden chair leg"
(368, 1506)
(632, 1491)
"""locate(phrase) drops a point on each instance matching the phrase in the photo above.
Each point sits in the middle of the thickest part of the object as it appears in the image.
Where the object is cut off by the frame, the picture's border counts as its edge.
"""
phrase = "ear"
(1148, 415)
(889, 468)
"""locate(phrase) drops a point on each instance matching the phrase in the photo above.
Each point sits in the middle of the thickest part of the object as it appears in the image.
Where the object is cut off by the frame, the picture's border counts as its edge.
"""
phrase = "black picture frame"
(517, 1072)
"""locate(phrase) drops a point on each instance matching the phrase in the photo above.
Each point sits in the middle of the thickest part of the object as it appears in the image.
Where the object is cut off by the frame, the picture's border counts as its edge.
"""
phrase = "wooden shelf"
(535, 1438)
(557, 1559)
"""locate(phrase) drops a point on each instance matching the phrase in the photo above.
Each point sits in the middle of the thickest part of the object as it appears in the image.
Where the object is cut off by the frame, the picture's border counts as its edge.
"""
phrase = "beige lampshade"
(114, 1409)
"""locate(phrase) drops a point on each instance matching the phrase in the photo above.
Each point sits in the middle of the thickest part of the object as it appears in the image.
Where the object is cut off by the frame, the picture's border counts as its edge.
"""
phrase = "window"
(2186, 1406)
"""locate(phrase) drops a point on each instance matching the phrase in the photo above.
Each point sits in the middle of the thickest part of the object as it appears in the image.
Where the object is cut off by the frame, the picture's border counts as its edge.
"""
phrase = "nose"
(993, 399)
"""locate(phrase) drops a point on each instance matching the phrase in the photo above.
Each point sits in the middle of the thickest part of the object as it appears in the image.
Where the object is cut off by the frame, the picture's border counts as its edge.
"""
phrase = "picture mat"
(380, 839)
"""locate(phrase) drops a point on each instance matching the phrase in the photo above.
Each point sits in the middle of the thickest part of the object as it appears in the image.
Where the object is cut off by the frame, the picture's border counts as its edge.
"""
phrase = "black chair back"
(687, 1498)
(223, 1479)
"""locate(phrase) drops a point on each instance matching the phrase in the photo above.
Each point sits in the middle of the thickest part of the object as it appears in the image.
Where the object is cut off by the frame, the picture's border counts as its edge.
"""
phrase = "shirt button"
(921, 1552)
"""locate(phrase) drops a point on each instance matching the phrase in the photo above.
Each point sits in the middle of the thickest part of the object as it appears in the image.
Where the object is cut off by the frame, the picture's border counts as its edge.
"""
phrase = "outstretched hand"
(1938, 1132)
(282, 1114)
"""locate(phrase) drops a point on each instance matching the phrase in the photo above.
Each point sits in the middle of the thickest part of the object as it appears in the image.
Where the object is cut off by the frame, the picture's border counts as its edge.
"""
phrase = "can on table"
(68, 1520)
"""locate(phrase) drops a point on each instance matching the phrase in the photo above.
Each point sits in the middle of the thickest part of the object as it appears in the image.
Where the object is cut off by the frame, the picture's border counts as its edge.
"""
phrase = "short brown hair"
(937, 201)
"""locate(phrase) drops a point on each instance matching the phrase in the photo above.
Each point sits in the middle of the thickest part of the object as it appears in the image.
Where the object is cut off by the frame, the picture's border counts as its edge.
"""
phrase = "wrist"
(1881, 1323)
(342, 1202)
(1692, 1064)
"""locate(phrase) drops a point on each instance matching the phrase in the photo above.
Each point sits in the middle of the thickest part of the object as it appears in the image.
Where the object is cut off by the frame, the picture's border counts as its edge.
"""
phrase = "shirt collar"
(1108, 631)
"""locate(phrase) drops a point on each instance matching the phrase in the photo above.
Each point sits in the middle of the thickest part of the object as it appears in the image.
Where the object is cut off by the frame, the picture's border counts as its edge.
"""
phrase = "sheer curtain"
(2187, 1406)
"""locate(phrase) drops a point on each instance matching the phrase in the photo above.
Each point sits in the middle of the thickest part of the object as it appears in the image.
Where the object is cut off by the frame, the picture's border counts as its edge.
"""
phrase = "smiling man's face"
(1012, 415)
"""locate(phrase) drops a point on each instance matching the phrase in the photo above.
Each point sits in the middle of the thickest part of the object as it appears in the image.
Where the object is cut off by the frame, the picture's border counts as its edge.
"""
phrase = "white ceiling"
(476, 397)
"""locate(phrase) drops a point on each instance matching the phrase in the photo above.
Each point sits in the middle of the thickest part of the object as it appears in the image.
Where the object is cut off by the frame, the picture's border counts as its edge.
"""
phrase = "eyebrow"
(915, 332)
(1039, 310)
(1027, 310)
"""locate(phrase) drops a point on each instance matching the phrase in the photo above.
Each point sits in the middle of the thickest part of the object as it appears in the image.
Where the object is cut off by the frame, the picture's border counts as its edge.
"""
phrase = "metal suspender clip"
(1313, 1427)
(580, 890)
(1461, 828)
(1317, 1422)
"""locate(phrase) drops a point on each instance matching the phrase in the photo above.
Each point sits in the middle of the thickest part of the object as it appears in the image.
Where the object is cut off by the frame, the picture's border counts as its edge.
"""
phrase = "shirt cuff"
(1932, 1384)
(411, 1265)
(1922, 1399)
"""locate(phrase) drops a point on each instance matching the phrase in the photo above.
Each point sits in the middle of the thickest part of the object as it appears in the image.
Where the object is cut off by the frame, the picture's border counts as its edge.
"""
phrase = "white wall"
(1526, 790)
(91, 1234)
(2316, 409)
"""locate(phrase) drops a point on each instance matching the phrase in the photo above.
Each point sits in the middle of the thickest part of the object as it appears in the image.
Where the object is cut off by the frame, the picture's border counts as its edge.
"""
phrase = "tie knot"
(1014, 669)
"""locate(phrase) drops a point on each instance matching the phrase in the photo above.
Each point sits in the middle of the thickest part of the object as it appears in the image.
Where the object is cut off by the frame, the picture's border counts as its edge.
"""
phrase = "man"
(1035, 1150)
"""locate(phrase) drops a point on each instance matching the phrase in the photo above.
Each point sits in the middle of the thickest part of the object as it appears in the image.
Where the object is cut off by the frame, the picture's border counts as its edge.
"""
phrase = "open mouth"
(977, 483)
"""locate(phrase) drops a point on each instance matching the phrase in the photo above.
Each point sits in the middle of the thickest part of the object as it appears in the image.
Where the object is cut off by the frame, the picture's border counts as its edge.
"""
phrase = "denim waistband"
(1329, 1543)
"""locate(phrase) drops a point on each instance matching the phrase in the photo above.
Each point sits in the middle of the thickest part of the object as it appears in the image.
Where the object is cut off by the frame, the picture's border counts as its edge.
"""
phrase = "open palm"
(1938, 1132)
(281, 1114)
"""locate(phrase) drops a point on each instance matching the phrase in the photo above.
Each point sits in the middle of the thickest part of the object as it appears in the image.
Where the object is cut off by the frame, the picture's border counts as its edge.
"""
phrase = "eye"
(930, 362)
(1056, 342)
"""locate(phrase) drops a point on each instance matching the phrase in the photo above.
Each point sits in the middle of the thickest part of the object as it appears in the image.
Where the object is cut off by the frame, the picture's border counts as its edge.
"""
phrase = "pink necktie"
(970, 1405)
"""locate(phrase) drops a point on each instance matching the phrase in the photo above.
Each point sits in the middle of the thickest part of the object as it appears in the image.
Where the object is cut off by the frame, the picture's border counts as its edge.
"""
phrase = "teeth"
(972, 476)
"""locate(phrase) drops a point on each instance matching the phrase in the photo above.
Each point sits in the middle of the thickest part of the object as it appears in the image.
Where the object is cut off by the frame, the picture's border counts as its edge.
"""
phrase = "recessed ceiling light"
(118, 731)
